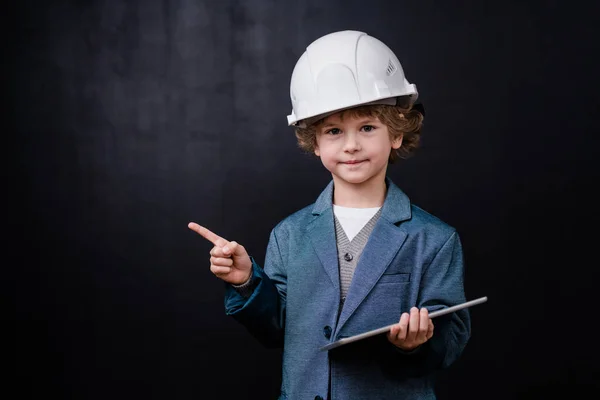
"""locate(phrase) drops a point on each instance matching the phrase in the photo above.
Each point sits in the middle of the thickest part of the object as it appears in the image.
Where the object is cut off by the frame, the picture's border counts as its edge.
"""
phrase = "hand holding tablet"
(385, 329)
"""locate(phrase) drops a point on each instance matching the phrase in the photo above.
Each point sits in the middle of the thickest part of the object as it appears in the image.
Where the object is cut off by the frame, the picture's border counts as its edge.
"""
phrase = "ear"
(317, 152)
(396, 143)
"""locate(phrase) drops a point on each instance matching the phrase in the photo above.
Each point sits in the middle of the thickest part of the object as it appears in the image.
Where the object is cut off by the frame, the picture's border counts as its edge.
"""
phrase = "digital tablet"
(385, 329)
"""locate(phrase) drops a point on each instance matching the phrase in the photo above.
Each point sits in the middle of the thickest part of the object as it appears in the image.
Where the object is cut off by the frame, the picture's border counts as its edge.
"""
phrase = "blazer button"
(318, 398)
(348, 257)
(327, 332)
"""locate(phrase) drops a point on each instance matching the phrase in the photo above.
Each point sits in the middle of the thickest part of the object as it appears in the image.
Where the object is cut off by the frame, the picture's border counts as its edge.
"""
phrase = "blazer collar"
(396, 207)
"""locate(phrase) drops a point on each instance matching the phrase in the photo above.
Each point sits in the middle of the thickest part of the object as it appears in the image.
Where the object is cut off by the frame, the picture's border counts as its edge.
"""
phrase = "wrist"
(246, 288)
(244, 283)
(406, 350)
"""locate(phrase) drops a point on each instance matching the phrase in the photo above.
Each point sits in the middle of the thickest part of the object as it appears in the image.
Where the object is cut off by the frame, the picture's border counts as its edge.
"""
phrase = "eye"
(368, 128)
(333, 131)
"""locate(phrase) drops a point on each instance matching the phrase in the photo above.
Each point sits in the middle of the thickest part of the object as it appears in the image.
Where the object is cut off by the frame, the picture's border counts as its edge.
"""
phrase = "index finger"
(207, 234)
(424, 320)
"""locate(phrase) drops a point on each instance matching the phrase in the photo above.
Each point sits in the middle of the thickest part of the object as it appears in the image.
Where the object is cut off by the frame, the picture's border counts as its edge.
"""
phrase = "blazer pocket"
(399, 277)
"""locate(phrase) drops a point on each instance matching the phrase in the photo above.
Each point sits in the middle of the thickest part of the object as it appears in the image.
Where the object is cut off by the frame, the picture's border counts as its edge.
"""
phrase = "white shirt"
(353, 219)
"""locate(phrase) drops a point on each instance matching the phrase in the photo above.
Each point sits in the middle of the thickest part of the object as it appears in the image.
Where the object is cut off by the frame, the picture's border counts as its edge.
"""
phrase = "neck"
(363, 195)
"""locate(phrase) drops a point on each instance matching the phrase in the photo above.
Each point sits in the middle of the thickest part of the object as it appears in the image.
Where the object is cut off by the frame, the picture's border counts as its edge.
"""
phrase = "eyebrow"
(367, 119)
(362, 121)
(327, 125)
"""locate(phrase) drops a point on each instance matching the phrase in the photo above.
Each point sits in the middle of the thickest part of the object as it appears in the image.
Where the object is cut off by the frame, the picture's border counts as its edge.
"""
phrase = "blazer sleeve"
(263, 313)
(442, 286)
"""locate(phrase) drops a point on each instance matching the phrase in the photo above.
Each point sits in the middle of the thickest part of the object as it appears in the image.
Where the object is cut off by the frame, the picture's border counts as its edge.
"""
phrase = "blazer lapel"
(322, 235)
(381, 248)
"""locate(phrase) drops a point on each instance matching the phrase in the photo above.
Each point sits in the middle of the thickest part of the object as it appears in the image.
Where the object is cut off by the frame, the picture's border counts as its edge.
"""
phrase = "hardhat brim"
(391, 101)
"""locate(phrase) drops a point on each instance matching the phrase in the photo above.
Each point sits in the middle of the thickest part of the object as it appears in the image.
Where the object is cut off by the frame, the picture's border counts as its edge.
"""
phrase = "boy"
(362, 256)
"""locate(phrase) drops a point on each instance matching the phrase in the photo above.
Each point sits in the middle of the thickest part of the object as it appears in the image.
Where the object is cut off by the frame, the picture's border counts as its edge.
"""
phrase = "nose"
(351, 143)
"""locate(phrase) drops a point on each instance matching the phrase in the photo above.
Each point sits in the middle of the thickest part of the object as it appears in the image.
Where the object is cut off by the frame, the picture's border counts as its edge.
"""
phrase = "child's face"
(354, 149)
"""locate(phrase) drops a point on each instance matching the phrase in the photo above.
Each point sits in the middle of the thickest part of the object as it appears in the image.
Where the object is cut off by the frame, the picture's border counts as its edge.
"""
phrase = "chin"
(355, 180)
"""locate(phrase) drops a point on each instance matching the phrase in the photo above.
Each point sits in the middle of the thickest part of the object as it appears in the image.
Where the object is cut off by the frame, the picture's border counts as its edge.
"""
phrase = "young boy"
(362, 256)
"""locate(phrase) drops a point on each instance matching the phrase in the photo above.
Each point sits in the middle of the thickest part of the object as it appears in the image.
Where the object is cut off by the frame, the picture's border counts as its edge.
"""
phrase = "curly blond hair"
(401, 121)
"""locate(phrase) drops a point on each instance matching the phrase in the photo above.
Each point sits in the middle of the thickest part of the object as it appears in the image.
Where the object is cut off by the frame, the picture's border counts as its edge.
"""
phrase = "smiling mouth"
(353, 162)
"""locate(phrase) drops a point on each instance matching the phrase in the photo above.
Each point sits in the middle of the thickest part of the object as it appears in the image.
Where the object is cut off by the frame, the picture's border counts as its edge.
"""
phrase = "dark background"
(131, 118)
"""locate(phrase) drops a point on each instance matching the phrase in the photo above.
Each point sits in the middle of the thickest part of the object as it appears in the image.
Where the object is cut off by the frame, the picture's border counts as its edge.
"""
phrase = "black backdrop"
(132, 118)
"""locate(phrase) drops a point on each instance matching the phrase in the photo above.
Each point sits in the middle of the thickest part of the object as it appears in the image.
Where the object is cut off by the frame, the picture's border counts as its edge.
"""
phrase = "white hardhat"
(342, 70)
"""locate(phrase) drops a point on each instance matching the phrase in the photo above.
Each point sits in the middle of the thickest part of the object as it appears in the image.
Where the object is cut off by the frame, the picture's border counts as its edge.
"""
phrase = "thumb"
(234, 249)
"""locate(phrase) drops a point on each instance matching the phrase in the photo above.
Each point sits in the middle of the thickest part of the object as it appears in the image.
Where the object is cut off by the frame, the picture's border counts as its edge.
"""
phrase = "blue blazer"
(411, 259)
